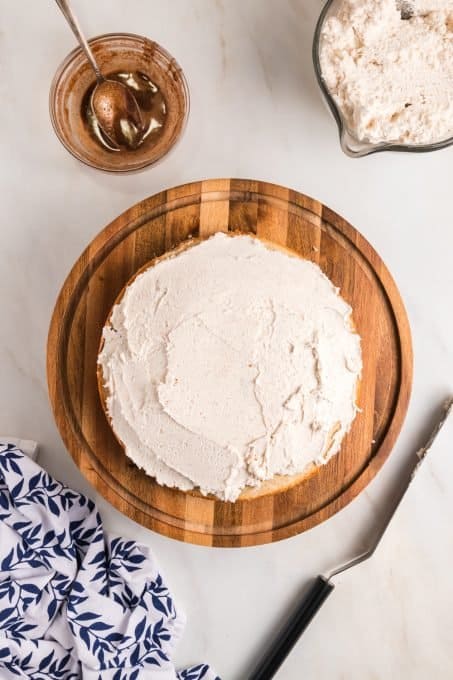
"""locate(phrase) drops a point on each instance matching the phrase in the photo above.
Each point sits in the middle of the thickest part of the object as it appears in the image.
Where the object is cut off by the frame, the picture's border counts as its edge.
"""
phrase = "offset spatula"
(323, 585)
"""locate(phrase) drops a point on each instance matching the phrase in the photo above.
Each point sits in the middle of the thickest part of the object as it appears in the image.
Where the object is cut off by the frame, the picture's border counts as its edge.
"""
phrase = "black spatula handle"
(293, 629)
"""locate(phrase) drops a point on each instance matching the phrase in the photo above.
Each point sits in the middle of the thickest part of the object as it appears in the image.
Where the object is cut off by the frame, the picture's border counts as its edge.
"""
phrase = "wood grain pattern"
(286, 218)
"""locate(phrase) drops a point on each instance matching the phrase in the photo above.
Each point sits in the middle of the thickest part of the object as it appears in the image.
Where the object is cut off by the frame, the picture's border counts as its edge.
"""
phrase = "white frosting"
(392, 78)
(230, 363)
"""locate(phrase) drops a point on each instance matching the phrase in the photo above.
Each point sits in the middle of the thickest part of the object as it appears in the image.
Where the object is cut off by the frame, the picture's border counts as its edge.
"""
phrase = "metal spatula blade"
(323, 585)
(406, 8)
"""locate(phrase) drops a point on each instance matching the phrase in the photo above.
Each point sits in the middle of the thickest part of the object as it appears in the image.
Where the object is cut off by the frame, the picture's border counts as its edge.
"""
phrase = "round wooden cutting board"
(286, 218)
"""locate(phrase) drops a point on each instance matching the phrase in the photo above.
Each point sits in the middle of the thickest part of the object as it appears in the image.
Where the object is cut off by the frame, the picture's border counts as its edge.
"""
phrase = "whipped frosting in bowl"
(386, 69)
(227, 363)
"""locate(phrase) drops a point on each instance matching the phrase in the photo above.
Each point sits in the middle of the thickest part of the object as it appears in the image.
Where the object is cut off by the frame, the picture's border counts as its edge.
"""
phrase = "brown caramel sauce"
(150, 100)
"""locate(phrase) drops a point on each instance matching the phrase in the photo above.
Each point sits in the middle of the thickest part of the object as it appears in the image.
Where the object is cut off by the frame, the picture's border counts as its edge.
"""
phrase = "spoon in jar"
(112, 103)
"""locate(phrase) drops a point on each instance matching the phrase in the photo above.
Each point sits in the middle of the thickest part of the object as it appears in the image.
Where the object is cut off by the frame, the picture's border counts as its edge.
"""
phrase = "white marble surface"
(256, 112)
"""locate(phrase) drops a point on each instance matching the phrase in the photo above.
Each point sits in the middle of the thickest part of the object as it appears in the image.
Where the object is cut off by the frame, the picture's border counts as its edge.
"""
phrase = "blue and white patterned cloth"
(75, 603)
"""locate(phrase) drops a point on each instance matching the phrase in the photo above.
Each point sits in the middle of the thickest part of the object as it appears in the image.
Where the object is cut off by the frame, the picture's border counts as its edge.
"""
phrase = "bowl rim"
(57, 78)
(347, 139)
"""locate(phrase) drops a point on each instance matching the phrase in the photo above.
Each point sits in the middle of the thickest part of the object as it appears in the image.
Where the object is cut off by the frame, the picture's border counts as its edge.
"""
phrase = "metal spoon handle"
(74, 24)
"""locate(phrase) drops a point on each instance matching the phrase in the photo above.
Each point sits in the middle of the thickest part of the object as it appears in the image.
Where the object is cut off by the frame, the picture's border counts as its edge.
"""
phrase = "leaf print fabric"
(75, 603)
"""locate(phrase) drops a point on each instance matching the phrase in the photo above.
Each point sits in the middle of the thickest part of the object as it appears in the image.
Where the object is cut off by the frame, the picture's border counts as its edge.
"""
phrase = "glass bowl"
(349, 143)
(74, 80)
